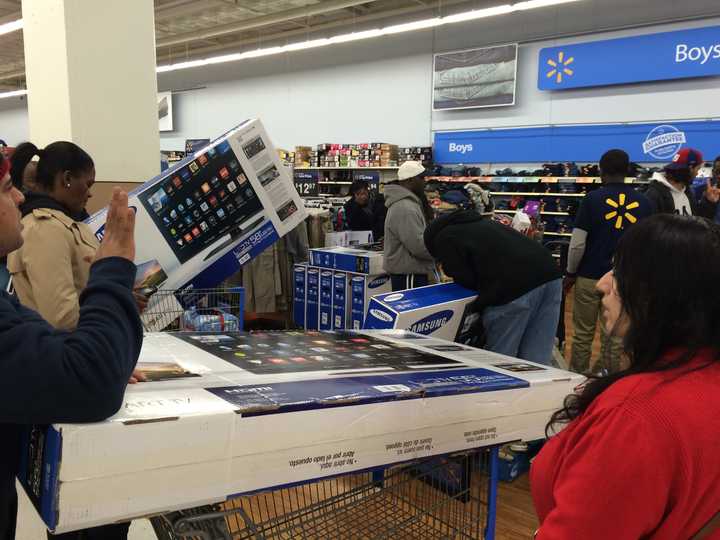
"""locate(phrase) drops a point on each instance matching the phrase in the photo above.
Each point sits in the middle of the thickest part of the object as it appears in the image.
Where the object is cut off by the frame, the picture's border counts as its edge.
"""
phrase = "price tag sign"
(371, 177)
(306, 183)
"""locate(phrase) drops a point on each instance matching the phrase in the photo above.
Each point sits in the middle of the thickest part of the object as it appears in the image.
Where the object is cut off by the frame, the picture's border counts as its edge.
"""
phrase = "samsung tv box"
(435, 310)
(199, 221)
(358, 261)
(227, 414)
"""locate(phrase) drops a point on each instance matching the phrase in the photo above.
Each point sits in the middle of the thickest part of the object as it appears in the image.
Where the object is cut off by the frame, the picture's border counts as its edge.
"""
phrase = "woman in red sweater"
(639, 457)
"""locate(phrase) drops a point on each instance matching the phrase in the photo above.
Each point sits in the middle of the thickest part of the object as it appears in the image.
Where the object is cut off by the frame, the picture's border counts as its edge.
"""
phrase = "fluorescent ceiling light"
(356, 36)
(11, 26)
(343, 38)
(13, 93)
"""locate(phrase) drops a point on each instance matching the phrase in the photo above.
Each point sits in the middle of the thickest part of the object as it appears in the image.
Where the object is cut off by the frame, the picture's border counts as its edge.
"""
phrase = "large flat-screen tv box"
(227, 414)
(201, 220)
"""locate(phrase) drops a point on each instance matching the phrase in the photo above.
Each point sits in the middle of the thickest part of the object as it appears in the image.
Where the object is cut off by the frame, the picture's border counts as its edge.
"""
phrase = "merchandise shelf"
(541, 213)
(529, 194)
(346, 168)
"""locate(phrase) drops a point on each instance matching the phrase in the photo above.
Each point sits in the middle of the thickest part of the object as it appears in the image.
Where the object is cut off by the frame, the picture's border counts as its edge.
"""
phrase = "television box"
(326, 300)
(340, 301)
(241, 414)
(348, 238)
(436, 310)
(299, 294)
(358, 261)
(362, 288)
(202, 219)
(312, 303)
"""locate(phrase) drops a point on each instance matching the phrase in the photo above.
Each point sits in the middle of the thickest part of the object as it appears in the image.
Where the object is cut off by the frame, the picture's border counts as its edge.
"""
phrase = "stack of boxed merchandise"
(334, 290)
(287, 157)
(416, 153)
(354, 155)
(302, 156)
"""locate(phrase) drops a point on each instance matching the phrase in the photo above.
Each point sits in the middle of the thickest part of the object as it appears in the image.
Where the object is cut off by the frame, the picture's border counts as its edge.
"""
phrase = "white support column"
(90, 67)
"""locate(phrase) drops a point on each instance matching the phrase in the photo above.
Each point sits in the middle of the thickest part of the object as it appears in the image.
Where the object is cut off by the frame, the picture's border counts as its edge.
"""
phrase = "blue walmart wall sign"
(653, 57)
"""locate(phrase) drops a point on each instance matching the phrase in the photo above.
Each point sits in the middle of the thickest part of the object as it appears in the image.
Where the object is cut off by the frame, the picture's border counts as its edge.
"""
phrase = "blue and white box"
(362, 288)
(357, 261)
(340, 301)
(435, 310)
(299, 296)
(326, 300)
(312, 302)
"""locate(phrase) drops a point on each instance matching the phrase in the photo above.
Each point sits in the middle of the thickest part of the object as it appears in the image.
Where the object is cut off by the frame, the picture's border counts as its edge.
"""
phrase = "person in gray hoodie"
(407, 260)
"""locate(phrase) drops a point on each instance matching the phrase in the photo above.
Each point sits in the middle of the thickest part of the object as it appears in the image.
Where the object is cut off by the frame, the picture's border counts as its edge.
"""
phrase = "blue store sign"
(643, 142)
(653, 57)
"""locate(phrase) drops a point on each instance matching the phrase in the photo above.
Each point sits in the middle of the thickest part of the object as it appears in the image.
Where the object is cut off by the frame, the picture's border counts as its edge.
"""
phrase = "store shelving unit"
(346, 168)
(554, 186)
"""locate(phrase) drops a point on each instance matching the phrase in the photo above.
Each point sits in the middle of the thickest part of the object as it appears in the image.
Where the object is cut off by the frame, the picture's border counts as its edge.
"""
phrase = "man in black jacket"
(670, 192)
(54, 376)
(517, 281)
(365, 211)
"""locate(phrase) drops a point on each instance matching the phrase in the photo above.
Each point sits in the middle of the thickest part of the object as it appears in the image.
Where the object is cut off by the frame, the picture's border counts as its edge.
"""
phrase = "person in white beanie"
(407, 260)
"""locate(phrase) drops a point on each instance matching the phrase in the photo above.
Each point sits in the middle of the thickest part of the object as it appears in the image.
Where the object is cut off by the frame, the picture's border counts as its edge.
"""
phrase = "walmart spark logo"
(621, 211)
(560, 67)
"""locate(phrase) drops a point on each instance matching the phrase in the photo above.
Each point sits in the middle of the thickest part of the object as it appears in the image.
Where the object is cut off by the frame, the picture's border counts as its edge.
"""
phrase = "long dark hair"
(55, 158)
(666, 269)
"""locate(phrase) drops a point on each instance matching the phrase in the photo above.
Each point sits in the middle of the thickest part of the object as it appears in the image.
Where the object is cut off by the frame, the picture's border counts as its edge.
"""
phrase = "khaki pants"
(586, 314)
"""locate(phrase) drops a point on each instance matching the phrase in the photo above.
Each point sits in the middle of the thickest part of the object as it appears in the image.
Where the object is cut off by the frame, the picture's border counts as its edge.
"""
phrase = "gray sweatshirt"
(405, 251)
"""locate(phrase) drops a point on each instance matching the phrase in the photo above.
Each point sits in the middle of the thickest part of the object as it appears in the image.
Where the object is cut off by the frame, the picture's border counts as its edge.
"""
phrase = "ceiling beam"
(237, 46)
(258, 22)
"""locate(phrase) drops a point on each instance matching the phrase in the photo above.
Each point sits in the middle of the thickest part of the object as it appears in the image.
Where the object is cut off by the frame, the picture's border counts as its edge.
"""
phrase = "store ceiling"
(190, 29)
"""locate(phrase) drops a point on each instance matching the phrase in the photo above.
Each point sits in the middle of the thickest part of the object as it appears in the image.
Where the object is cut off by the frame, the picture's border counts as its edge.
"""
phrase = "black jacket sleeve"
(702, 206)
(53, 376)
(655, 196)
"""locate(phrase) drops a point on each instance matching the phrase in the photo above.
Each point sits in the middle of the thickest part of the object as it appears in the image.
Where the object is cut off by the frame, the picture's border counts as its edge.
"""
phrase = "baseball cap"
(409, 169)
(685, 158)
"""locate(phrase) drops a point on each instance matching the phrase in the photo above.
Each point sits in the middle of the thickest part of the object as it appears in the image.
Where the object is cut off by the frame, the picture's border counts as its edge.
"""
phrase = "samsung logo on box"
(377, 282)
(394, 297)
(381, 315)
(460, 148)
(432, 322)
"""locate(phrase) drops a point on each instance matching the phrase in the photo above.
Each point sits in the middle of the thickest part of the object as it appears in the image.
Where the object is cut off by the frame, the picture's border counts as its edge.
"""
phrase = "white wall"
(380, 89)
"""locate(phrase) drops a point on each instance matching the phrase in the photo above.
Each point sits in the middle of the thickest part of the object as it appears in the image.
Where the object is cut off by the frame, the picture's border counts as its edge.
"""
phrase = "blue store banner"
(643, 142)
(653, 57)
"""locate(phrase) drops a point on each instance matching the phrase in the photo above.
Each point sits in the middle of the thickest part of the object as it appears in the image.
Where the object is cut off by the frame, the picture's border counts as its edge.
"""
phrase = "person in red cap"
(670, 191)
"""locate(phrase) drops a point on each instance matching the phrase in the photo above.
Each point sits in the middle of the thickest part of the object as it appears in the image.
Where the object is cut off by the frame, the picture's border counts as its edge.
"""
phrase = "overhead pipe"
(258, 22)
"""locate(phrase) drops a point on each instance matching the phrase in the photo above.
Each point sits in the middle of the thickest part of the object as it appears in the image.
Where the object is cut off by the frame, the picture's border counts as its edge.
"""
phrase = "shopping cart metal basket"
(448, 497)
(214, 309)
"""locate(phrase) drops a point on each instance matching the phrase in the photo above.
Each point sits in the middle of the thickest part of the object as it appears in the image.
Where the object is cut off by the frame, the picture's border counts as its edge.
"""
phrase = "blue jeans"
(526, 327)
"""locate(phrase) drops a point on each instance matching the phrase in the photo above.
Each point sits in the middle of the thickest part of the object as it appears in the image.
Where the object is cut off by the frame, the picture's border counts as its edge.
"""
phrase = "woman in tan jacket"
(52, 267)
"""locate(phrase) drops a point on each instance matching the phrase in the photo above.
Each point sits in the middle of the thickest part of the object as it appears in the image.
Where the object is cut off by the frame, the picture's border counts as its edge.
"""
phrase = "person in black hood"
(365, 211)
(518, 283)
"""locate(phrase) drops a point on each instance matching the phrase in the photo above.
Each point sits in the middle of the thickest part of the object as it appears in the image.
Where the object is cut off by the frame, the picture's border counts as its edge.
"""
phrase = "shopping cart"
(442, 497)
(171, 310)
(449, 497)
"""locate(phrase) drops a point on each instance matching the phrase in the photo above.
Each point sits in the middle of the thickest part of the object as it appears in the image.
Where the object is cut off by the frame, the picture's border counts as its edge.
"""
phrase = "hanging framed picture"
(475, 78)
